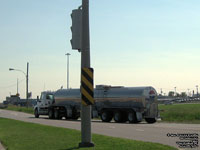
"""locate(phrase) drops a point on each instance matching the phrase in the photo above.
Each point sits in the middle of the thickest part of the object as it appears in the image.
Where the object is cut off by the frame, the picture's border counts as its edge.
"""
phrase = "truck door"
(41, 104)
(49, 99)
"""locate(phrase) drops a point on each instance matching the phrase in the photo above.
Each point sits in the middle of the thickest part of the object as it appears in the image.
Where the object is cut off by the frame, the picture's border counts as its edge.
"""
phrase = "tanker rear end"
(123, 104)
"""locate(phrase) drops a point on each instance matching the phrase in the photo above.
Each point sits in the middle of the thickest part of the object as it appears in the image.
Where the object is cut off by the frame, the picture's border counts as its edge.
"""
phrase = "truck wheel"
(57, 114)
(150, 120)
(132, 117)
(36, 113)
(50, 113)
(106, 116)
(118, 116)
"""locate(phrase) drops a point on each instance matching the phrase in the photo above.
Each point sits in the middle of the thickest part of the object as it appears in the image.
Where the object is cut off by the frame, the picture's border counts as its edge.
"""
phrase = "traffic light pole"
(85, 63)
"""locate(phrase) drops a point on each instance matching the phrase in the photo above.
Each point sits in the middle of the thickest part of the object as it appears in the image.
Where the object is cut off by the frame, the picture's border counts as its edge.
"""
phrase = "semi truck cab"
(46, 99)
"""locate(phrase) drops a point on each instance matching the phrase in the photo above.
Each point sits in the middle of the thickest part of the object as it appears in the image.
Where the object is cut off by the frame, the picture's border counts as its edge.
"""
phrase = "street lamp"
(67, 70)
(26, 75)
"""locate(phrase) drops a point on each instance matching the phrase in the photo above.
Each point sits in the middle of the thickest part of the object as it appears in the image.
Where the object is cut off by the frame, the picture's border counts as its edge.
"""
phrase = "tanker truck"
(122, 104)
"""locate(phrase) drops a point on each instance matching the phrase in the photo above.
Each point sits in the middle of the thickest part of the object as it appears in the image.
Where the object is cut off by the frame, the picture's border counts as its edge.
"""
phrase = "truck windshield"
(50, 97)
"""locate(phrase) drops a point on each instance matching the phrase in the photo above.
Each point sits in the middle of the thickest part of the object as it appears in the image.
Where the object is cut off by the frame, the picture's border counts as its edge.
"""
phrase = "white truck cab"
(46, 99)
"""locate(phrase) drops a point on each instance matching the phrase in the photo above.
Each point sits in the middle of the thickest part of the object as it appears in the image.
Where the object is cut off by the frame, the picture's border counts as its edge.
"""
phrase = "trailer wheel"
(36, 113)
(132, 117)
(118, 117)
(57, 114)
(51, 114)
(106, 116)
(150, 120)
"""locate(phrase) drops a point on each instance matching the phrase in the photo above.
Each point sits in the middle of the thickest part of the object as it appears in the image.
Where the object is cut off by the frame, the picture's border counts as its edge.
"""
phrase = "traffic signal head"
(76, 28)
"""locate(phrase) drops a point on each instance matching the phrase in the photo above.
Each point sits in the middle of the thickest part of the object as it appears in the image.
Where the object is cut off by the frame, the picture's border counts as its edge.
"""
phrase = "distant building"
(15, 100)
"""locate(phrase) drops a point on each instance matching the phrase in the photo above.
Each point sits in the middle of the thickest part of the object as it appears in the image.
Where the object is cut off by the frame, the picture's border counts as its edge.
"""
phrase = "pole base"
(86, 144)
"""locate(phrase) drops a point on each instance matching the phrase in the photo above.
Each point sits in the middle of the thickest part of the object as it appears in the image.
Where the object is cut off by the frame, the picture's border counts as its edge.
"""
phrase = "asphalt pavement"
(164, 133)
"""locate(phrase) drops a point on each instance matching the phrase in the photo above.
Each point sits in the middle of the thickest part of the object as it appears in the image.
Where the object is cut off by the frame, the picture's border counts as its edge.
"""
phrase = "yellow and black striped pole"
(87, 87)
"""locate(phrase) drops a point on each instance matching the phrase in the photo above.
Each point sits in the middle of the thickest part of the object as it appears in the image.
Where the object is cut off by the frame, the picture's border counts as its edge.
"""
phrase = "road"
(156, 132)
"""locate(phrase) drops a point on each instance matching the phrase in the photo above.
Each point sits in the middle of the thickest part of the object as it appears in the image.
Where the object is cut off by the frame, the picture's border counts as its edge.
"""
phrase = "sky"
(132, 43)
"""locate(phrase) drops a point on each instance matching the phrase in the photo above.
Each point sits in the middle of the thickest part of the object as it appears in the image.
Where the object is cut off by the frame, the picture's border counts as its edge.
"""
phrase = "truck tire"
(132, 117)
(57, 114)
(36, 113)
(150, 120)
(118, 116)
(106, 116)
(51, 114)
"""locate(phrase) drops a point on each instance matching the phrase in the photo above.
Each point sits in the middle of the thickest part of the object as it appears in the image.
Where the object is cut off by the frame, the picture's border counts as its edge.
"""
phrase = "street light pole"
(174, 91)
(26, 75)
(68, 54)
(17, 87)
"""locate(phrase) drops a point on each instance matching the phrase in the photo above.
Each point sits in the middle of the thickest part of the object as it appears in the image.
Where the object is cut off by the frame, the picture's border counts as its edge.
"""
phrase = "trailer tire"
(150, 120)
(51, 114)
(132, 117)
(106, 116)
(36, 113)
(118, 116)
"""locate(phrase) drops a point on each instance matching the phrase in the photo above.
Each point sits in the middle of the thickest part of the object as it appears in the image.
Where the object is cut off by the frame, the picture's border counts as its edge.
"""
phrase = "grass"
(18, 135)
(181, 113)
(20, 109)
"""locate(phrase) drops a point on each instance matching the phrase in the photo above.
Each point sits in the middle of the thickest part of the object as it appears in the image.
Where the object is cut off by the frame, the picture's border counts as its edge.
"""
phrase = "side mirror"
(38, 100)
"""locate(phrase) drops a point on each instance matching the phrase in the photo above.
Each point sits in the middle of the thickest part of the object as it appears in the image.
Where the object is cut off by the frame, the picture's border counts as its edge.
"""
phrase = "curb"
(1, 146)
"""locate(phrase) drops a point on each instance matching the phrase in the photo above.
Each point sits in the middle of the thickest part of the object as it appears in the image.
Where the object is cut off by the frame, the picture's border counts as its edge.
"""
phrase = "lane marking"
(112, 127)
(141, 130)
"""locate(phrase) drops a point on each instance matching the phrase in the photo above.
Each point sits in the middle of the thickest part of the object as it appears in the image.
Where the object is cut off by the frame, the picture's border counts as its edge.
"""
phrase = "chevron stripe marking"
(90, 85)
(88, 96)
(89, 71)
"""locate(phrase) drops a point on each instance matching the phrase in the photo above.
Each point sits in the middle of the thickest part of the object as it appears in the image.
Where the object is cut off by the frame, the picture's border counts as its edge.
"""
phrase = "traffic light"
(76, 28)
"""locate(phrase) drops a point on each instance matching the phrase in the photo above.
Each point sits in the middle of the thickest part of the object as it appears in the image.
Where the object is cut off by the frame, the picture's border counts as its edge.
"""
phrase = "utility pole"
(67, 70)
(27, 84)
(85, 63)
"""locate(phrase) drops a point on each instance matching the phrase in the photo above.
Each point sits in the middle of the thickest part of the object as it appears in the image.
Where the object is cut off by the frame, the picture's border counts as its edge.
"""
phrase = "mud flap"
(139, 116)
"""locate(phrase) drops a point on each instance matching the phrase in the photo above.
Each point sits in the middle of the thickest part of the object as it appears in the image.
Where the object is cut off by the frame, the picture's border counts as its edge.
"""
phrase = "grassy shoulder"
(20, 109)
(180, 113)
(17, 135)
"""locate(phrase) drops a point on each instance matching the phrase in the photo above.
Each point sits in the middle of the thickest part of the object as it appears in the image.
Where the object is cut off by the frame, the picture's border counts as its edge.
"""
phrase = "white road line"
(139, 130)
(112, 127)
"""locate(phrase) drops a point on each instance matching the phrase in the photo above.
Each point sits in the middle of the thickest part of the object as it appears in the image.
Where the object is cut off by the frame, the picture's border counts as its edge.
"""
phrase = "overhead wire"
(12, 85)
